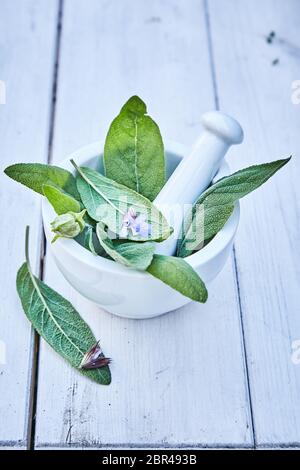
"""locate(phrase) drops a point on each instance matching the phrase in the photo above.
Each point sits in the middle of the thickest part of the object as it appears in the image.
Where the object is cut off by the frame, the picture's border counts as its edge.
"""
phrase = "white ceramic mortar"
(116, 288)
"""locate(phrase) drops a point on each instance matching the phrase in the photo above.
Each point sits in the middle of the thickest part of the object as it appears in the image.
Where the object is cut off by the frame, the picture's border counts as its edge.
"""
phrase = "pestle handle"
(195, 172)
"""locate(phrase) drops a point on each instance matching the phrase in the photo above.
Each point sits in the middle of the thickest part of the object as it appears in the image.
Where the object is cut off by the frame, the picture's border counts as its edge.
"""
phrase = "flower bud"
(68, 225)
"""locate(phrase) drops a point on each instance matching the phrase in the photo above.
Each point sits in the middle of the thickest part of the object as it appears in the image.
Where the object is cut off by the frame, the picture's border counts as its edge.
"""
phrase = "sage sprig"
(134, 151)
(57, 321)
(214, 207)
(119, 204)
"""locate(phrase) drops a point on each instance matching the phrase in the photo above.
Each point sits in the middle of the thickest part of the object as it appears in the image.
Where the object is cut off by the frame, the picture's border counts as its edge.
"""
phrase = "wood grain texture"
(258, 91)
(178, 379)
(27, 38)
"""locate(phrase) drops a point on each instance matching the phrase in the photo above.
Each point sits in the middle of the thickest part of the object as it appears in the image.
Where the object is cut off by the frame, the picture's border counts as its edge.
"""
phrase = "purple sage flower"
(137, 224)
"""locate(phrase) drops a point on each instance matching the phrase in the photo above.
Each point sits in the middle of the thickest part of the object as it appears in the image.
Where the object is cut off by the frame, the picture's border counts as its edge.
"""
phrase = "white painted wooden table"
(219, 375)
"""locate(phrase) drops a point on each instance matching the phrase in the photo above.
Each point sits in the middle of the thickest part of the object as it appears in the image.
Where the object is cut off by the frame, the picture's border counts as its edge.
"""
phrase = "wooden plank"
(178, 379)
(27, 39)
(258, 91)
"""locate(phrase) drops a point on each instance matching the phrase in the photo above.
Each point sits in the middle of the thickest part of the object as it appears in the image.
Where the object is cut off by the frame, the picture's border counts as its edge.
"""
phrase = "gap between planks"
(217, 106)
(35, 337)
(137, 446)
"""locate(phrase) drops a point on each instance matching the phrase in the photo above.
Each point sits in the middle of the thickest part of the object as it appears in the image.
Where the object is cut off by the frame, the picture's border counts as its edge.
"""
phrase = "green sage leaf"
(57, 321)
(179, 275)
(61, 201)
(131, 254)
(107, 201)
(214, 207)
(35, 175)
(134, 151)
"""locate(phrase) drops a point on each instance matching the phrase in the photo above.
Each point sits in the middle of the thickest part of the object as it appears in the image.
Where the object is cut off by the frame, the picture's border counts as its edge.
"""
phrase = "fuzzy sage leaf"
(61, 202)
(131, 254)
(57, 321)
(134, 151)
(108, 202)
(35, 175)
(179, 275)
(214, 207)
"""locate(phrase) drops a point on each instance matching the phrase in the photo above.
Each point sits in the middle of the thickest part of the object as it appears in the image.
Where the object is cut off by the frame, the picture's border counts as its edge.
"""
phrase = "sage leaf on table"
(131, 254)
(178, 274)
(134, 151)
(57, 321)
(214, 207)
(35, 175)
(61, 202)
(108, 202)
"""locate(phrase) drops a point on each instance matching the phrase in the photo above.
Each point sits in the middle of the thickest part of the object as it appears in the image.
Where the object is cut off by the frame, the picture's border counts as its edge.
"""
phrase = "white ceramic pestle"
(195, 172)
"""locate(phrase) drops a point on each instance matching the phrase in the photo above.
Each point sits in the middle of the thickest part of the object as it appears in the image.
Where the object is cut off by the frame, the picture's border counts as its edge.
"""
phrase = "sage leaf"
(134, 151)
(57, 321)
(179, 275)
(131, 254)
(214, 207)
(35, 175)
(61, 201)
(108, 202)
